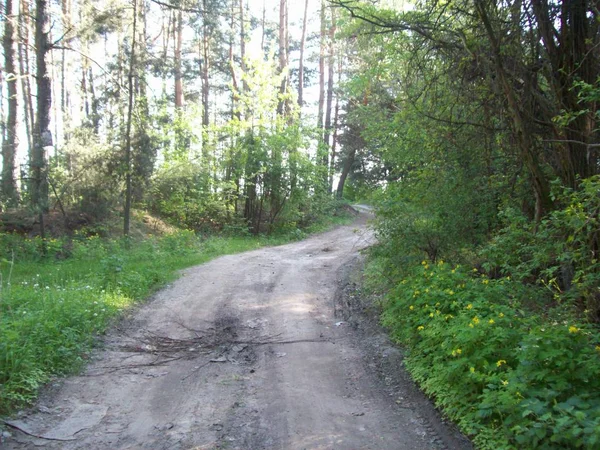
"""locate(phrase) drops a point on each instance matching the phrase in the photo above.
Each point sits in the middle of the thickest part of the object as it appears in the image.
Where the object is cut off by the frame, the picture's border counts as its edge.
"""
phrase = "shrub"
(514, 379)
(562, 252)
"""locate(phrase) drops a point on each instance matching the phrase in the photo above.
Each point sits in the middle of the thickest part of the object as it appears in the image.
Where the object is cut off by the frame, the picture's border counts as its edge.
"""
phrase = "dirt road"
(244, 352)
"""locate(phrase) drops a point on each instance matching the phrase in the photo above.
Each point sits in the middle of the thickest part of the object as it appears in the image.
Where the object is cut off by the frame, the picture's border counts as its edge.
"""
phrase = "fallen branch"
(39, 436)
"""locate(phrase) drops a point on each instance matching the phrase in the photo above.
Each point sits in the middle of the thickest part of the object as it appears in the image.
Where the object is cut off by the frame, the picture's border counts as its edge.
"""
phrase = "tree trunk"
(335, 129)
(42, 133)
(329, 101)
(205, 70)
(235, 91)
(243, 47)
(321, 69)
(178, 45)
(263, 24)
(301, 67)
(9, 143)
(24, 14)
(127, 209)
(348, 162)
(522, 130)
(282, 108)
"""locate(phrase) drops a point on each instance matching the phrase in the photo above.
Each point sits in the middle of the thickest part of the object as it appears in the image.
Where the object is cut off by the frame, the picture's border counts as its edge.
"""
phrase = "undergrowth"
(509, 376)
(56, 295)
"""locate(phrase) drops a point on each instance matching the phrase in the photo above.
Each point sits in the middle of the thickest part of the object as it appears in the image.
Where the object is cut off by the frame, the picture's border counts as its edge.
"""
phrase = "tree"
(9, 143)
(130, 96)
(42, 133)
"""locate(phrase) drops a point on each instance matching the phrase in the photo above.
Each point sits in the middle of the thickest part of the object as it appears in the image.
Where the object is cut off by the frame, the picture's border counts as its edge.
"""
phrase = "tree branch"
(179, 8)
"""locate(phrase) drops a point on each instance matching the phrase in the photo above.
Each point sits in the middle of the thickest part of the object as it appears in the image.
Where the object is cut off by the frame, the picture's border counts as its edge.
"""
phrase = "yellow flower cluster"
(420, 327)
(501, 362)
(469, 306)
(573, 329)
(491, 321)
(475, 320)
(456, 352)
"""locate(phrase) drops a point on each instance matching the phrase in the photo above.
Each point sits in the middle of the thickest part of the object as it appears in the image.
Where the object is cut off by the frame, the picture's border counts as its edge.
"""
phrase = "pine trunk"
(301, 66)
(42, 133)
(9, 143)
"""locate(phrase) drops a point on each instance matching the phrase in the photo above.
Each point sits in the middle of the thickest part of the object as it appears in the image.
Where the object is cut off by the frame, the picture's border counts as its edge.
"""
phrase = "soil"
(270, 349)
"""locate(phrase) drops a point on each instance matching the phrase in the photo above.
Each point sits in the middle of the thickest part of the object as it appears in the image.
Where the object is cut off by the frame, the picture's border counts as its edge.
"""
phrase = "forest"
(143, 136)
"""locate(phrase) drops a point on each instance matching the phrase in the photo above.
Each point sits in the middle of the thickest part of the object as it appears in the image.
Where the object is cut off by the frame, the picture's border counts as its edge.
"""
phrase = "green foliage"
(561, 252)
(511, 378)
(181, 193)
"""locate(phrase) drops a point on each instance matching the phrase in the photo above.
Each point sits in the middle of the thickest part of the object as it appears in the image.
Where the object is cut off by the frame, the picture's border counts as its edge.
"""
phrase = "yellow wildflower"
(501, 315)
(573, 329)
(456, 352)
(475, 320)
(486, 281)
(424, 263)
(501, 362)
(475, 269)
(472, 369)
(420, 327)
(598, 348)
(469, 306)
(491, 321)
(504, 382)
(411, 307)
(430, 314)
(471, 325)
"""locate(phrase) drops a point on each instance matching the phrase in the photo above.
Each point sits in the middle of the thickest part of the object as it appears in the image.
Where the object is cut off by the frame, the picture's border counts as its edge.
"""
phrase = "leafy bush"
(561, 252)
(514, 379)
(181, 192)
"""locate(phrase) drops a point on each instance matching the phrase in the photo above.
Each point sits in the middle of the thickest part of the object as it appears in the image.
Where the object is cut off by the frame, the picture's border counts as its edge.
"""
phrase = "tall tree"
(329, 101)
(322, 37)
(24, 70)
(205, 63)
(178, 39)
(301, 63)
(9, 143)
(42, 133)
(130, 98)
(283, 106)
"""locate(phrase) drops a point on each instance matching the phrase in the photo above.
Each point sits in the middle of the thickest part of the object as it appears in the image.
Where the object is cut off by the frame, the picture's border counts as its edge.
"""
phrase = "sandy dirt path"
(244, 352)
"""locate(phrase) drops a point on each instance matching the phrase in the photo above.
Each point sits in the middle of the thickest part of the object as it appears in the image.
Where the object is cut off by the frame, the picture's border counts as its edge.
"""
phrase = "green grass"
(52, 308)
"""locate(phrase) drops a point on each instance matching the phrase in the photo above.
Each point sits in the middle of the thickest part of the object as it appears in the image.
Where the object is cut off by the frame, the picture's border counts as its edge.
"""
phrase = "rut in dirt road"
(244, 352)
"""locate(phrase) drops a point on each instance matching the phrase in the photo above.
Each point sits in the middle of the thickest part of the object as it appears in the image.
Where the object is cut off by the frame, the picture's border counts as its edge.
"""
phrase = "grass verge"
(52, 307)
